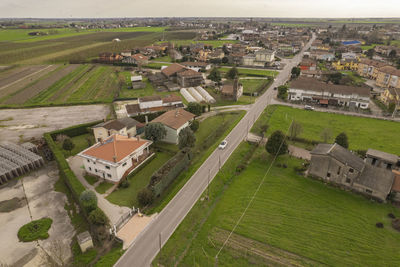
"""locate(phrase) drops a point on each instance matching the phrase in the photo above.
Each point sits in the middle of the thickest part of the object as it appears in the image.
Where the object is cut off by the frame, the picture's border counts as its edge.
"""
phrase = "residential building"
(386, 49)
(388, 76)
(337, 165)
(391, 95)
(381, 159)
(260, 58)
(346, 64)
(197, 66)
(308, 64)
(189, 78)
(174, 122)
(313, 90)
(124, 126)
(116, 157)
(140, 59)
(368, 68)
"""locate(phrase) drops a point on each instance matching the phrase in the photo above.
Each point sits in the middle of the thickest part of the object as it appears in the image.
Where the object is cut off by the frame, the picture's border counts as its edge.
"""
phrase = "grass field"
(103, 187)
(251, 85)
(250, 72)
(80, 142)
(292, 220)
(363, 133)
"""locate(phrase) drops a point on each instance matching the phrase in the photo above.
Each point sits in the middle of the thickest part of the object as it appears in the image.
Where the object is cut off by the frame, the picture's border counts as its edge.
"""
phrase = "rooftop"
(382, 155)
(174, 118)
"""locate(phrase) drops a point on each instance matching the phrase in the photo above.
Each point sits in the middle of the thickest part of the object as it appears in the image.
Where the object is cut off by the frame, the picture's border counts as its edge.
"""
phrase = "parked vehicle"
(307, 107)
(223, 144)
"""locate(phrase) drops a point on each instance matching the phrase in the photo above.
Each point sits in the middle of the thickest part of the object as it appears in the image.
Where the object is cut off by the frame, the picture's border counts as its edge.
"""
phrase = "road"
(147, 244)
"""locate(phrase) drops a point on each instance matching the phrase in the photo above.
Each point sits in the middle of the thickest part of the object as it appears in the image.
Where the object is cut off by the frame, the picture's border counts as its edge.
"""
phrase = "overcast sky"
(199, 8)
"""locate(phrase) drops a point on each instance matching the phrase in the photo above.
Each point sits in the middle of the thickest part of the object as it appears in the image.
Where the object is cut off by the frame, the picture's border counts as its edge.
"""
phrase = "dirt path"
(21, 73)
(41, 85)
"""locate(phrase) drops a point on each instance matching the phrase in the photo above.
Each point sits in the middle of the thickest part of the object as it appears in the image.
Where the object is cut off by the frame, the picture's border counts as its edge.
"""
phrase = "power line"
(252, 198)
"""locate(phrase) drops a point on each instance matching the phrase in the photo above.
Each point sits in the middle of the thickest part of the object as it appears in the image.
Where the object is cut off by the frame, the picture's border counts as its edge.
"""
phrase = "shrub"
(342, 140)
(98, 217)
(68, 144)
(379, 225)
(124, 184)
(88, 200)
(35, 230)
(392, 216)
(194, 125)
(145, 197)
(276, 144)
(186, 138)
(240, 168)
(155, 131)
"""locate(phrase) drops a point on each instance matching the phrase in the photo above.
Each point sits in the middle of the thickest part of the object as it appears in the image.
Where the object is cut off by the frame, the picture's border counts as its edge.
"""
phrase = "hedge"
(164, 176)
(74, 130)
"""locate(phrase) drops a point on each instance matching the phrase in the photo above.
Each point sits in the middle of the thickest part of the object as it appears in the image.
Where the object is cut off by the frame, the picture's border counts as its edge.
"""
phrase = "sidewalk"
(113, 212)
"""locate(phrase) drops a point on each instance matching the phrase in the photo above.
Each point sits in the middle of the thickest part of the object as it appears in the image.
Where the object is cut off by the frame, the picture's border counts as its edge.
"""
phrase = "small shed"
(85, 241)
(137, 82)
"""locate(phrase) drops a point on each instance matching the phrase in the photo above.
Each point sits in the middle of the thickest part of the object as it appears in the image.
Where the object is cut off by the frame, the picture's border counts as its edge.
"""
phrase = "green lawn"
(103, 187)
(292, 219)
(223, 101)
(80, 142)
(363, 133)
(155, 65)
(166, 58)
(356, 79)
(91, 179)
(111, 257)
(210, 133)
(252, 72)
(251, 85)
(127, 196)
(35, 230)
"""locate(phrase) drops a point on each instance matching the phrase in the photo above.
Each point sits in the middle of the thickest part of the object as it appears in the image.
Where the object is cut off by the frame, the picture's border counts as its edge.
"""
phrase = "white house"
(313, 90)
(125, 126)
(174, 121)
(115, 157)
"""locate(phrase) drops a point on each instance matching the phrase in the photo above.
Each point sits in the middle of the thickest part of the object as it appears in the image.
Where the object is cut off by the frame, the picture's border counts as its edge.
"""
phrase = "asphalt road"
(148, 243)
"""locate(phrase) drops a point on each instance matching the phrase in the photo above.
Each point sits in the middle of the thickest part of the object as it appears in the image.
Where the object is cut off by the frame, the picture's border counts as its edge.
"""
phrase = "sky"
(196, 8)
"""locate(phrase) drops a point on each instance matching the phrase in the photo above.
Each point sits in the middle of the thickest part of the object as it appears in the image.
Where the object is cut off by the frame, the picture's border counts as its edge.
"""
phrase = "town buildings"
(124, 126)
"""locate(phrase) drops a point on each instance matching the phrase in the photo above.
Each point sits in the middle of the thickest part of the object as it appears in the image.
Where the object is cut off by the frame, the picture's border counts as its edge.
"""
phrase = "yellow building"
(345, 64)
(391, 95)
(388, 77)
(369, 68)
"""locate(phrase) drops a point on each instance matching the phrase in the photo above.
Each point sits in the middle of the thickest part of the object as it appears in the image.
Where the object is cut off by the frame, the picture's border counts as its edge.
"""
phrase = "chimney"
(101, 140)
(115, 159)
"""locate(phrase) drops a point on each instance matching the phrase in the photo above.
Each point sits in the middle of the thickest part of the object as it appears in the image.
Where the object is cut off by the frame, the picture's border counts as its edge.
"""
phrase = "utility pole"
(219, 161)
(159, 239)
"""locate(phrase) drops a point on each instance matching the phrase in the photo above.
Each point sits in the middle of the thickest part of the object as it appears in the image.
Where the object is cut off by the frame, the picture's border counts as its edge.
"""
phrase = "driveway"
(33, 122)
(43, 202)
(113, 212)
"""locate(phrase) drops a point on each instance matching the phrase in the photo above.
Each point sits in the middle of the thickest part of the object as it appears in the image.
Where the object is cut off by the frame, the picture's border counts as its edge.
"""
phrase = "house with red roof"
(116, 157)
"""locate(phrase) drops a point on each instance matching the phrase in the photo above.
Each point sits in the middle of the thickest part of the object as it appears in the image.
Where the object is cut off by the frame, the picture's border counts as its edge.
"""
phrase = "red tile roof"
(115, 148)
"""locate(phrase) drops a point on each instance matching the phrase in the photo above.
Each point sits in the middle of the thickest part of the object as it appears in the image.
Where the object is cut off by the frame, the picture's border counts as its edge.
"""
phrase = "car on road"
(307, 107)
(223, 144)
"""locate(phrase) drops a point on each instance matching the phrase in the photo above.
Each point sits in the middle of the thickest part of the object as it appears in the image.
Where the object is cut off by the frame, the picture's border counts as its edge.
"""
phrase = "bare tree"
(57, 254)
(326, 135)
(295, 129)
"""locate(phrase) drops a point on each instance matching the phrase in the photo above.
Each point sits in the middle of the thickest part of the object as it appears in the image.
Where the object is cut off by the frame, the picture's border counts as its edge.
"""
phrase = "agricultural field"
(59, 85)
(244, 72)
(292, 221)
(363, 133)
(213, 43)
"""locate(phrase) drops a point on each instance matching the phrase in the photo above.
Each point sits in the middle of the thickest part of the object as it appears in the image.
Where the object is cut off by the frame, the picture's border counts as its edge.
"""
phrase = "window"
(95, 170)
(107, 167)
(368, 191)
(373, 161)
(389, 166)
(328, 174)
(90, 169)
(351, 170)
(348, 180)
(124, 164)
(94, 162)
(88, 160)
(338, 171)
(108, 175)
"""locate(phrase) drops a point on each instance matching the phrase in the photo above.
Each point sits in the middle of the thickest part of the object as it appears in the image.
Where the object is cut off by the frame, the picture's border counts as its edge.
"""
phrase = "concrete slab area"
(33, 122)
(133, 228)
(43, 202)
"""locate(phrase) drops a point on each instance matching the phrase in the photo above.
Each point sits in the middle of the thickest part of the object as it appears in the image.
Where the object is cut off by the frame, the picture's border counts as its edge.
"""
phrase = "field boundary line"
(23, 78)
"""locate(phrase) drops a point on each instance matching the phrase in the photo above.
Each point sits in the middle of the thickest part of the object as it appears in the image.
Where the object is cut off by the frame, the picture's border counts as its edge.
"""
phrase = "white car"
(223, 144)
(307, 107)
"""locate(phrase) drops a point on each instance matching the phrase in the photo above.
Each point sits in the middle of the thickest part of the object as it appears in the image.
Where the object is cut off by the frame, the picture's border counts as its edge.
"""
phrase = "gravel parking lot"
(28, 123)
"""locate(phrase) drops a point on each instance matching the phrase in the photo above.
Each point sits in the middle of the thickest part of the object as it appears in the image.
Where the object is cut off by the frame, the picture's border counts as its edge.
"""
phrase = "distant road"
(147, 244)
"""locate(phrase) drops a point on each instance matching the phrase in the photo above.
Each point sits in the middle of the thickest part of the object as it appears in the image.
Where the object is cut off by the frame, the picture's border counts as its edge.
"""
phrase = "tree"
(326, 134)
(215, 75)
(186, 138)
(276, 144)
(225, 60)
(335, 77)
(194, 125)
(98, 217)
(295, 72)
(232, 73)
(370, 53)
(88, 200)
(391, 107)
(342, 140)
(282, 92)
(145, 197)
(155, 131)
(392, 54)
(68, 144)
(295, 129)
(195, 108)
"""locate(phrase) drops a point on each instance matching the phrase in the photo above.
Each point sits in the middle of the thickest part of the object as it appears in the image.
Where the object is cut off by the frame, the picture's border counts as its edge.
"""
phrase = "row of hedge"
(165, 175)
(66, 173)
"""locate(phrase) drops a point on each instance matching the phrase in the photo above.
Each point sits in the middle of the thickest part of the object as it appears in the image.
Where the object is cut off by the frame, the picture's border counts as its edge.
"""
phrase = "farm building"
(16, 160)
(137, 82)
(232, 90)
